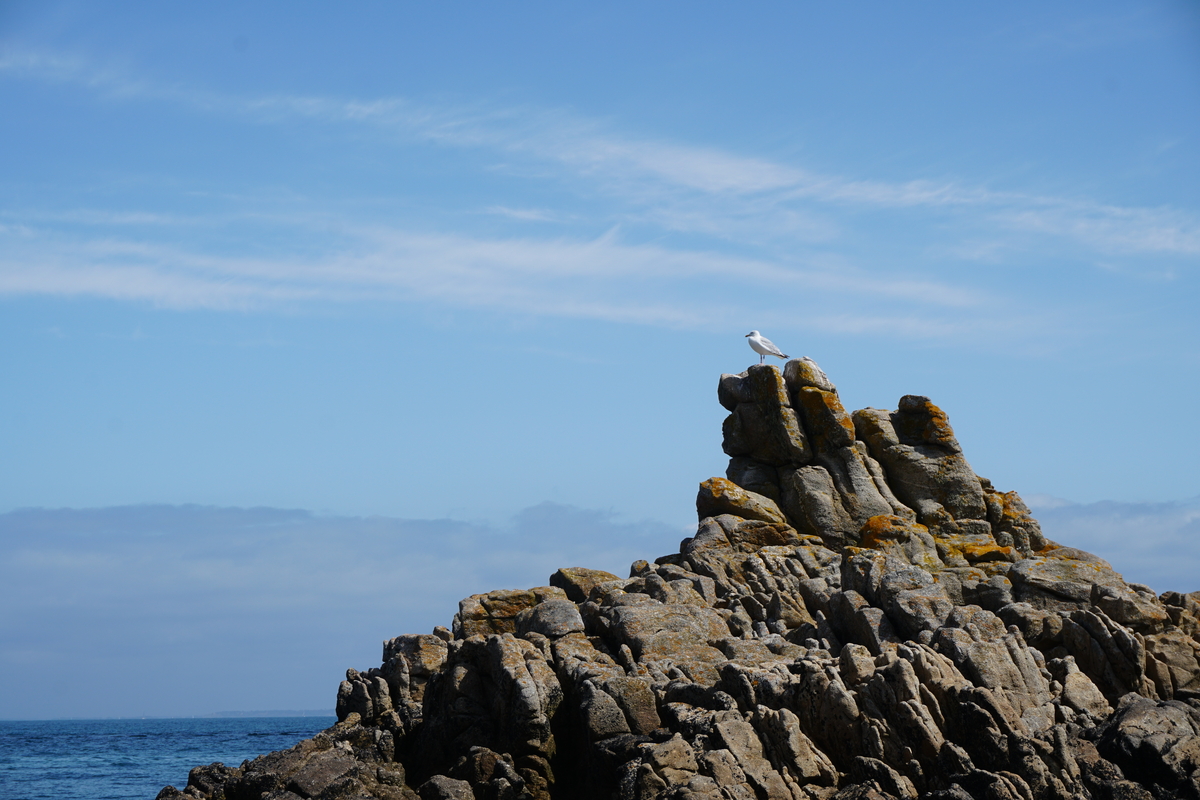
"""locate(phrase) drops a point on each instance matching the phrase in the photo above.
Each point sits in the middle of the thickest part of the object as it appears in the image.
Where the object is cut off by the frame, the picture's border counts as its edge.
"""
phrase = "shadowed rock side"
(859, 615)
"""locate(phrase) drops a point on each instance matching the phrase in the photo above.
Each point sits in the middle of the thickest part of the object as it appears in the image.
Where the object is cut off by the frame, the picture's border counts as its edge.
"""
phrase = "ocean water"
(132, 759)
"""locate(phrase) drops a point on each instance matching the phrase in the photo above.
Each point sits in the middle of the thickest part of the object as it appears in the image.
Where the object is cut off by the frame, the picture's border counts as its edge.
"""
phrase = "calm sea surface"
(132, 759)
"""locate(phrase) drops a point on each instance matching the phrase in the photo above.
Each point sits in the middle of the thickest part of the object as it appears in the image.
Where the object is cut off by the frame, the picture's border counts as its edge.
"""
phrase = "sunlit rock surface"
(859, 615)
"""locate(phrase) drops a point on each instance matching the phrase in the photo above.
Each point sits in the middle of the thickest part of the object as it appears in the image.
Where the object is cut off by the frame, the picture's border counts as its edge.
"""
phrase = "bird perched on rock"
(763, 346)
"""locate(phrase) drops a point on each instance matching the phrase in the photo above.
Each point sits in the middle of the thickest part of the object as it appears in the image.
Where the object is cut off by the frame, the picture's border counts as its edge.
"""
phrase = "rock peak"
(858, 615)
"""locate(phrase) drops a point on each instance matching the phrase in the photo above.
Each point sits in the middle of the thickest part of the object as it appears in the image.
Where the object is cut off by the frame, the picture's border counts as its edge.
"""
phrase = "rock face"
(859, 615)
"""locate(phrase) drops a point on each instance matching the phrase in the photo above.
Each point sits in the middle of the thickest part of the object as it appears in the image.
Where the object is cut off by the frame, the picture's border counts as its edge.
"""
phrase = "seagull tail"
(781, 355)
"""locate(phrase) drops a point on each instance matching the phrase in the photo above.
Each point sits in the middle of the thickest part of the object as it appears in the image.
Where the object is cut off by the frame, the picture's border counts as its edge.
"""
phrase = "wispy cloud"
(603, 278)
(682, 220)
(645, 168)
(524, 214)
(1112, 229)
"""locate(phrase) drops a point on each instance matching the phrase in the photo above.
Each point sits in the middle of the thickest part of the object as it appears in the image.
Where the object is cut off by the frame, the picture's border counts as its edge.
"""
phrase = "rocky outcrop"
(859, 615)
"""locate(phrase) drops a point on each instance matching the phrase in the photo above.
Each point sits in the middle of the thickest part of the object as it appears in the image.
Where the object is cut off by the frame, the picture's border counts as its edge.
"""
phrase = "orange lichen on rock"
(887, 527)
(721, 496)
(825, 419)
(989, 552)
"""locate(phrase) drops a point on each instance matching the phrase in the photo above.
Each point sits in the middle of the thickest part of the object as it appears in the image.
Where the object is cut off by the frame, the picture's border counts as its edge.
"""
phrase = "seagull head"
(752, 333)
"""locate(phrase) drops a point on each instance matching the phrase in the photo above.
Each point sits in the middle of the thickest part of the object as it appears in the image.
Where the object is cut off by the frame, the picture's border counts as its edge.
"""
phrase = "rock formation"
(859, 615)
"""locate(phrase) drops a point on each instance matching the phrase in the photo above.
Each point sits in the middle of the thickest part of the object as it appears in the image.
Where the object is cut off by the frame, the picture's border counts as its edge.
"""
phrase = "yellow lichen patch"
(721, 496)
(988, 552)
(825, 419)
(937, 428)
(1012, 508)
(507, 603)
(722, 487)
(886, 527)
(957, 546)
(768, 386)
(971, 574)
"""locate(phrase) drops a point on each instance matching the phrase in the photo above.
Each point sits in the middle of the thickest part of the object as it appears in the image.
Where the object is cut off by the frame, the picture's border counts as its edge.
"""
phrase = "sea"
(132, 759)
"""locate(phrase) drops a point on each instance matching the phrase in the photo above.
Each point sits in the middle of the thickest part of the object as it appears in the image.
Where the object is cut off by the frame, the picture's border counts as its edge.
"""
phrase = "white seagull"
(764, 346)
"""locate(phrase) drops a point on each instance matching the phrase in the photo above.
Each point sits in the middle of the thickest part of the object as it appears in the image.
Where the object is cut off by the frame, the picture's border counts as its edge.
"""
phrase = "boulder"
(719, 496)
(578, 582)
(1060, 579)
(496, 612)
(922, 459)
(763, 425)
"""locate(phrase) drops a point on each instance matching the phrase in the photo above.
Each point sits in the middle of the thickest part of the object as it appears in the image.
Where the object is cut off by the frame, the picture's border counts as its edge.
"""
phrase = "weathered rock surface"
(859, 615)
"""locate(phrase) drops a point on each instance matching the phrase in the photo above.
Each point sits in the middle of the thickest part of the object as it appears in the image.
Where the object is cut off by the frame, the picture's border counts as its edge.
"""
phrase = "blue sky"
(412, 263)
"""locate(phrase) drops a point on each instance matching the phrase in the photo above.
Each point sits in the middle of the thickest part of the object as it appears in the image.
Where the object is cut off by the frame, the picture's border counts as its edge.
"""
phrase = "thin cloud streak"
(618, 161)
(603, 278)
(643, 169)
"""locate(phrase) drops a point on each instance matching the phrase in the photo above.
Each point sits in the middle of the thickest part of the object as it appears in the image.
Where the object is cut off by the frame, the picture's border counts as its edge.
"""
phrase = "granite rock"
(858, 615)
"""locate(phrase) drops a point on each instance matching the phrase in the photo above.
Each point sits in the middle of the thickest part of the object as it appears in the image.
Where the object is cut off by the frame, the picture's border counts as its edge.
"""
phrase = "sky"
(315, 319)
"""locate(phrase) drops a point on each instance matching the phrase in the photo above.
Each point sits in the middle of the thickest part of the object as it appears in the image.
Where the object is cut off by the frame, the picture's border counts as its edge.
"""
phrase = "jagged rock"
(552, 618)
(578, 582)
(676, 633)
(748, 536)
(923, 460)
(1012, 524)
(719, 496)
(1155, 743)
(440, 787)
(409, 662)
(754, 476)
(1061, 579)
(1140, 611)
(763, 425)
(857, 616)
(742, 741)
(601, 714)
(496, 612)
(1078, 690)
(829, 426)
(802, 372)
(812, 502)
(491, 772)
(636, 700)
(207, 779)
(902, 538)
(1173, 663)
(794, 755)
(321, 772)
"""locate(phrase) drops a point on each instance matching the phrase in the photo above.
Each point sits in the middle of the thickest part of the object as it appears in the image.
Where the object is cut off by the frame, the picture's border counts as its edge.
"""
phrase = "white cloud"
(1157, 544)
(654, 176)
(524, 214)
(163, 597)
(1112, 229)
(697, 237)
(603, 278)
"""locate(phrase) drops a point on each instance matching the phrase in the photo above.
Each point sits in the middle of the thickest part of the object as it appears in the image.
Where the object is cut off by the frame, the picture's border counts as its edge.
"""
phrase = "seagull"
(764, 346)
